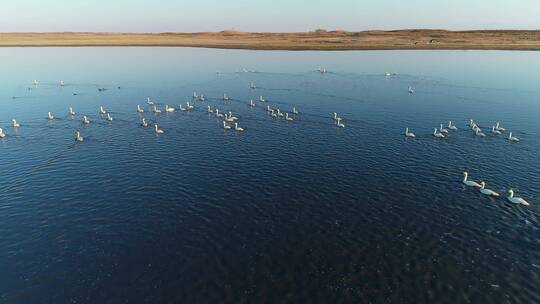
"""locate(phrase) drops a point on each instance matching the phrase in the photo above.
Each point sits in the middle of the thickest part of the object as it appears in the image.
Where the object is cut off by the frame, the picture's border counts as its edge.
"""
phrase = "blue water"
(284, 212)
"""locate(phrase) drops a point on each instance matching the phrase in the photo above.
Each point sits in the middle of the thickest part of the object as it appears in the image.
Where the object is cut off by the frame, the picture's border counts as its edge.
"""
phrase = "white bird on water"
(485, 191)
(468, 182)
(225, 126)
(62, 83)
(232, 117)
(287, 117)
(35, 82)
(195, 95)
(499, 128)
(251, 104)
(139, 110)
(156, 110)
(294, 111)
(158, 130)
(479, 133)
(78, 136)
(86, 121)
(495, 131)
(210, 110)
(2, 134)
(15, 124)
(339, 123)
(443, 130)
(225, 97)
(201, 98)
(109, 117)
(411, 90)
(169, 109)
(150, 102)
(218, 114)
(189, 107)
(261, 99)
(335, 116)
(102, 110)
(437, 134)
(71, 112)
(237, 128)
(144, 123)
(228, 118)
(279, 113)
(252, 86)
(50, 116)
(512, 138)
(516, 200)
(409, 134)
(451, 126)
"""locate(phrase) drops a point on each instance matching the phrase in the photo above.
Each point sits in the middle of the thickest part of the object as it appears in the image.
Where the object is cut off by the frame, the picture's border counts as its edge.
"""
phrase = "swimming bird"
(252, 86)
(411, 90)
(109, 118)
(218, 114)
(409, 134)
(335, 116)
(273, 114)
(294, 111)
(287, 117)
(451, 126)
(158, 130)
(479, 133)
(62, 83)
(78, 136)
(195, 95)
(232, 117)
(512, 138)
(279, 113)
(261, 99)
(516, 200)
(139, 110)
(210, 110)
(182, 108)
(228, 118)
(237, 128)
(35, 82)
(2, 134)
(268, 108)
(144, 123)
(495, 131)
(189, 107)
(71, 112)
(50, 116)
(468, 182)
(251, 104)
(387, 74)
(102, 111)
(225, 97)
(150, 102)
(156, 110)
(15, 124)
(499, 128)
(443, 130)
(487, 191)
(201, 98)
(225, 126)
(339, 123)
(86, 121)
(437, 134)
(471, 123)
(168, 109)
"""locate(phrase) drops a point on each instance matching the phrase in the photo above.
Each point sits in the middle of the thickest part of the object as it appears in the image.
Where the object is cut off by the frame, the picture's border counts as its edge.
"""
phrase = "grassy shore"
(321, 40)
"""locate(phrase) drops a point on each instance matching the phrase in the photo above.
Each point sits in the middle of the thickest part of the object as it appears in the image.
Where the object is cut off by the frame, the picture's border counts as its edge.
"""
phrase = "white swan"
(272, 113)
(443, 130)
(210, 110)
(261, 99)
(495, 131)
(516, 200)
(35, 82)
(411, 90)
(479, 133)
(225, 126)
(287, 117)
(471, 123)
(169, 109)
(487, 191)
(50, 116)
(499, 128)
(15, 123)
(156, 110)
(71, 112)
(109, 117)
(512, 138)
(189, 107)
(201, 98)
(468, 182)
(158, 130)
(139, 110)
(62, 83)
(451, 126)
(86, 121)
(101, 110)
(225, 97)
(437, 134)
(268, 108)
(144, 123)
(336, 117)
(218, 114)
(279, 113)
(294, 111)
(237, 128)
(150, 102)
(195, 95)
(252, 86)
(339, 124)
(182, 108)
(409, 134)
(78, 137)
(251, 104)
(232, 117)
(2, 134)
(228, 118)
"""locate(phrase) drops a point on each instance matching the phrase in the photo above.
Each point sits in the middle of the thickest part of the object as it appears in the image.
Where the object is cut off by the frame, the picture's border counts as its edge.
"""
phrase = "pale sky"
(264, 15)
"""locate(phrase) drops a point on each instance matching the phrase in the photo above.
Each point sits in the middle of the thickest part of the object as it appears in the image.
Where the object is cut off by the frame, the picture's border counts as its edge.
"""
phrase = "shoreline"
(522, 40)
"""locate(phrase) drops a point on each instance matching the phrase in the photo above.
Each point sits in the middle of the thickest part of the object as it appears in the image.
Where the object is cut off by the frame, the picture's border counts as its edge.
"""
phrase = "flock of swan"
(482, 188)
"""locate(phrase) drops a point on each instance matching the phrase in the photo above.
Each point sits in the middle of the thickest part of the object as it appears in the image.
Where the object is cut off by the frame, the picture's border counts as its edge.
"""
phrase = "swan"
(339, 123)
(279, 113)
(479, 133)
(443, 130)
(237, 128)
(387, 74)
(35, 82)
(225, 126)
(156, 110)
(294, 111)
(158, 130)
(487, 191)
(189, 107)
(109, 118)
(150, 102)
(512, 138)
(495, 131)
(252, 86)
(287, 117)
(139, 110)
(261, 99)
(201, 98)
(251, 104)
(229, 118)
(468, 182)
(409, 134)
(78, 137)
(232, 117)
(516, 200)
(101, 110)
(335, 116)
(86, 121)
(71, 112)
(182, 108)
(411, 90)
(15, 124)
(499, 128)
(168, 109)
(2, 134)
(144, 123)
(218, 114)
(471, 123)
(210, 110)
(225, 97)
(268, 108)
(451, 126)
(437, 134)
(62, 83)
(195, 95)
(50, 116)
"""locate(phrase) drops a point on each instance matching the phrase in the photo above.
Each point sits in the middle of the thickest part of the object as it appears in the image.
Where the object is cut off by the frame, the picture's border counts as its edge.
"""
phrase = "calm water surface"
(284, 212)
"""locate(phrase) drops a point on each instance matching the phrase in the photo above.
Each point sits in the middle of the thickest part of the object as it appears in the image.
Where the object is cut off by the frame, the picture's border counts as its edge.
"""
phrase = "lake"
(285, 211)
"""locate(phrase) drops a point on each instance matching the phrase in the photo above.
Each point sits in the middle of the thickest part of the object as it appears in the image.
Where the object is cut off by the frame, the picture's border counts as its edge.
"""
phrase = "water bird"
(150, 102)
(232, 117)
(144, 123)
(218, 114)
(262, 99)
(86, 121)
(294, 111)
(516, 200)
(237, 128)
(225, 97)
(451, 126)
(339, 123)
(35, 82)
(287, 117)
(479, 133)
(102, 111)
(195, 96)
(512, 138)
(109, 118)
(495, 131)
(139, 110)
(189, 107)
(71, 112)
(499, 128)
(182, 108)
(273, 114)
(471, 123)
(387, 74)
(268, 108)
(411, 90)
(62, 83)
(437, 134)
(335, 116)
(252, 86)
(225, 126)
(409, 134)
(210, 110)
(443, 130)
(158, 130)
(279, 113)
(169, 109)
(468, 182)
(78, 136)
(15, 123)
(201, 98)
(50, 116)
(485, 191)
(251, 104)
(228, 118)
(322, 70)
(156, 110)
(2, 134)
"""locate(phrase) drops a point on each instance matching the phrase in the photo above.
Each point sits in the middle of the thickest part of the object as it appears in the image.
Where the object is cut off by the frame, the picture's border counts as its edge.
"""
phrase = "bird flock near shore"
(231, 122)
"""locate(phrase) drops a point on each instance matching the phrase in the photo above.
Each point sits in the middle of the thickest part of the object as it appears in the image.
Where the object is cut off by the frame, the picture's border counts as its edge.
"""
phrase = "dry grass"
(335, 40)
